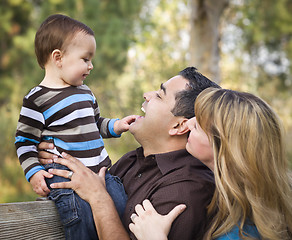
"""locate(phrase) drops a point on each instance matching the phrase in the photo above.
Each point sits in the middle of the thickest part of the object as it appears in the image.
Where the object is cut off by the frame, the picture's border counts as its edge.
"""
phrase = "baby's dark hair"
(185, 99)
(55, 33)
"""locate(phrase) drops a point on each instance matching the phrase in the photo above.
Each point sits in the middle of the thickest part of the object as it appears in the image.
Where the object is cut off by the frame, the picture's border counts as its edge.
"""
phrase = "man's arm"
(107, 220)
(91, 187)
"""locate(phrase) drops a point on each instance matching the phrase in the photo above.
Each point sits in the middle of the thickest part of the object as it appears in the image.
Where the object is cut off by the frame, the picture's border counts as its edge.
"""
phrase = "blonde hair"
(250, 168)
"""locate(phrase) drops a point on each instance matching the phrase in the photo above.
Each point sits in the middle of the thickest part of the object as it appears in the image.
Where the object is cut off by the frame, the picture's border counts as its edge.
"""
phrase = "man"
(161, 170)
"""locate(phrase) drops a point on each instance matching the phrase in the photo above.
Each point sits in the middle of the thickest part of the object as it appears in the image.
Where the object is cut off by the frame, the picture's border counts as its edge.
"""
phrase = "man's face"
(158, 119)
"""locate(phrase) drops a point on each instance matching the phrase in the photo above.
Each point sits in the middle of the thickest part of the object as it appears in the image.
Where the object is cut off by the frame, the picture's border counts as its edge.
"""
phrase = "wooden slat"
(30, 220)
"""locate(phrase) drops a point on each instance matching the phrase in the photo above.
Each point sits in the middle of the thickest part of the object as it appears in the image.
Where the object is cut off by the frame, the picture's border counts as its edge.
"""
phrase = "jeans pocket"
(118, 180)
(66, 204)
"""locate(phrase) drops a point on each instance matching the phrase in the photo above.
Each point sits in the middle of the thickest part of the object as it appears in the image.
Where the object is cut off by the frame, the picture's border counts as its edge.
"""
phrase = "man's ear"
(56, 56)
(180, 128)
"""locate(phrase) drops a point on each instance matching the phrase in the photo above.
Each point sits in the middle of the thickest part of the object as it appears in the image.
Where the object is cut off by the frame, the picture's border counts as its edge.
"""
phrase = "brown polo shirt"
(167, 180)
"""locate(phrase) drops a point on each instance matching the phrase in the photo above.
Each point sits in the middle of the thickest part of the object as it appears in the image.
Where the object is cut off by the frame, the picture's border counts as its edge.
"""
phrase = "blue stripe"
(33, 171)
(67, 102)
(77, 146)
(24, 139)
(111, 127)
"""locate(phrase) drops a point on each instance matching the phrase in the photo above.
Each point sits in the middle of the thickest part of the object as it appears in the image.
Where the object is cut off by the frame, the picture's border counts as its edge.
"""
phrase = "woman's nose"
(191, 123)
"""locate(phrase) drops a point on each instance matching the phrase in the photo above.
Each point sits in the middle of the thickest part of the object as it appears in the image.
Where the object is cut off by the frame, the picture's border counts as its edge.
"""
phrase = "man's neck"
(168, 146)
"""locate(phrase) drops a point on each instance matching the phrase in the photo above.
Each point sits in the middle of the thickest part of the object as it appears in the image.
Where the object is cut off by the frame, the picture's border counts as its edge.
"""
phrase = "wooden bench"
(30, 220)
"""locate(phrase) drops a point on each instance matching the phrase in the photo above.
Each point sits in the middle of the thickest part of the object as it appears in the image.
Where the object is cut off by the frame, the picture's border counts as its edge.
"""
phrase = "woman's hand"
(87, 184)
(148, 224)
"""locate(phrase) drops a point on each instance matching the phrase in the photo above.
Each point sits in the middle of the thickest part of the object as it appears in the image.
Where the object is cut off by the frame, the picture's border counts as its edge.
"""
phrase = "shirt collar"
(167, 162)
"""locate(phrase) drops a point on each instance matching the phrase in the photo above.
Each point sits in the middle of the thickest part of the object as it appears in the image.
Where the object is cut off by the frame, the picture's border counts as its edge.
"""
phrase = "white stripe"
(33, 91)
(89, 162)
(74, 115)
(32, 114)
(25, 149)
(54, 151)
(96, 111)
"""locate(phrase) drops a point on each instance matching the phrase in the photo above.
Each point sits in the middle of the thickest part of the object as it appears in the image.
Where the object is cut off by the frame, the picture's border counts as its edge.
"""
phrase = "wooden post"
(30, 220)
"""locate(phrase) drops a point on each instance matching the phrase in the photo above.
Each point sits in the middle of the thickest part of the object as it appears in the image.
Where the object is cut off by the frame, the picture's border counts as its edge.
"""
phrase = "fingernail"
(55, 157)
(50, 170)
(64, 154)
(50, 161)
(52, 185)
(51, 145)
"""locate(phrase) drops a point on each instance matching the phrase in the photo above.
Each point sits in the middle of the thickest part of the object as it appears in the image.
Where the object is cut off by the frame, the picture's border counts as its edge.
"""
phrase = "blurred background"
(242, 44)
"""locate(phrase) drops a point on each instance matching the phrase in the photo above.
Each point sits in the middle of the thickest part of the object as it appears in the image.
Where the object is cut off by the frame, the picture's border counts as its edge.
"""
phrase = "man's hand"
(39, 184)
(91, 187)
(87, 184)
(123, 125)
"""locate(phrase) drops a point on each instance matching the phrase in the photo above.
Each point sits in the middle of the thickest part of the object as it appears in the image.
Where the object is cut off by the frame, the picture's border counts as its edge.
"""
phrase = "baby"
(64, 111)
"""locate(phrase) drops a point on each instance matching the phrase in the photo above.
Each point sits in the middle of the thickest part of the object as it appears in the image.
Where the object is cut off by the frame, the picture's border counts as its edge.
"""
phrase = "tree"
(266, 32)
(205, 35)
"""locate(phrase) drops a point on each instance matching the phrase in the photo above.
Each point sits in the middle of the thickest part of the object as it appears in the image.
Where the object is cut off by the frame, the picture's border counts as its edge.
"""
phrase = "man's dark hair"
(185, 99)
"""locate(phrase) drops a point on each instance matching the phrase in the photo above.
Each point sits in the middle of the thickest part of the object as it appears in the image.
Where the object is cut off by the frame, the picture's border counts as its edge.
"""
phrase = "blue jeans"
(75, 213)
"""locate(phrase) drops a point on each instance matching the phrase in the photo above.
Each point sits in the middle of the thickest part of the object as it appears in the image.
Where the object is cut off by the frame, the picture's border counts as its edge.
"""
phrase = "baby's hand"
(123, 125)
(39, 184)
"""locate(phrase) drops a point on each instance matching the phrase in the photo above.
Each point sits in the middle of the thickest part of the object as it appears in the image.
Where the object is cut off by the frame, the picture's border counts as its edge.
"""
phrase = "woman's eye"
(85, 59)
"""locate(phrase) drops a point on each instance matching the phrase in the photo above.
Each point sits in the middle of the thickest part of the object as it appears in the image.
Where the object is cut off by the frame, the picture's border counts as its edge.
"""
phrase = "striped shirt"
(69, 118)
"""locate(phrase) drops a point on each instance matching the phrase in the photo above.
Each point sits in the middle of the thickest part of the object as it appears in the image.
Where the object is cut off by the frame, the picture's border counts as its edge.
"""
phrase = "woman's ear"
(180, 128)
(57, 57)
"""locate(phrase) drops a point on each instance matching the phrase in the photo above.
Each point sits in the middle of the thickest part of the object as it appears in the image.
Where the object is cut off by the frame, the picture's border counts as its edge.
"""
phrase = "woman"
(239, 137)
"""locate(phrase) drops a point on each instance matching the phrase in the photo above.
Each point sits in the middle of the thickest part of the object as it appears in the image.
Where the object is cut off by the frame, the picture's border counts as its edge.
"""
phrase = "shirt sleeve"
(28, 136)
(191, 224)
(105, 125)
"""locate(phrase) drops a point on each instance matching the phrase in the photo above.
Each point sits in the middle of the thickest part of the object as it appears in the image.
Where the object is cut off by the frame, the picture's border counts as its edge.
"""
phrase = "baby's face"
(76, 62)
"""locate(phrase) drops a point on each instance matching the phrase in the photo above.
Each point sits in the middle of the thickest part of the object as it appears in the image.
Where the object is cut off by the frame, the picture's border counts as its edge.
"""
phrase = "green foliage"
(14, 187)
(267, 30)
(15, 21)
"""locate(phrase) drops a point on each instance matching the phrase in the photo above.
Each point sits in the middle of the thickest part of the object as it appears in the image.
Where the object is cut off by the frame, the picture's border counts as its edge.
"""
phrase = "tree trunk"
(205, 36)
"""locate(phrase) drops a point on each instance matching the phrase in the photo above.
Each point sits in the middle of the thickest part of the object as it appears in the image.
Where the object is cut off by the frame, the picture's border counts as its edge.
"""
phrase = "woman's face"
(198, 143)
